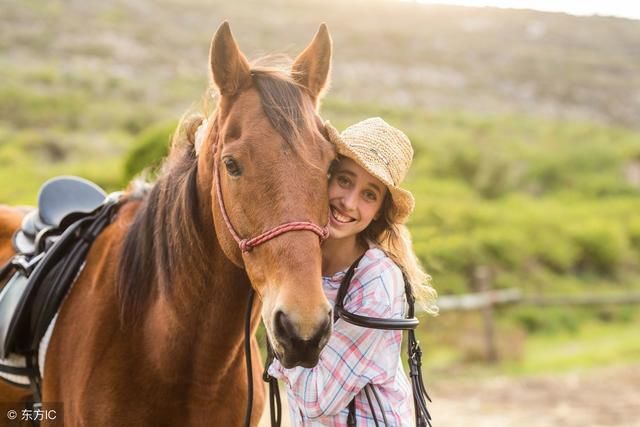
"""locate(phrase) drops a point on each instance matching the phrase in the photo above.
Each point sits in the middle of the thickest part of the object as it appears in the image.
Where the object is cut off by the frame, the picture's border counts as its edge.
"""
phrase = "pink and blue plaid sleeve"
(354, 356)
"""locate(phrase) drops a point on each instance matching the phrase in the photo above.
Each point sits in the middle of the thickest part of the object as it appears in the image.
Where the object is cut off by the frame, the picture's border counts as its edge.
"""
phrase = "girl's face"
(355, 197)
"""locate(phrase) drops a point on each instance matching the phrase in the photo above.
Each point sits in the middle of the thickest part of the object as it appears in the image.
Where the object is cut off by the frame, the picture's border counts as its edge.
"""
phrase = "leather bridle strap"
(247, 354)
(423, 417)
(247, 244)
(275, 405)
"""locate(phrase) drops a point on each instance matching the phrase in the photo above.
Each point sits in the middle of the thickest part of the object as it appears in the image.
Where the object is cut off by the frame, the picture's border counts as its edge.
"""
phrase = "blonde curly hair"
(394, 239)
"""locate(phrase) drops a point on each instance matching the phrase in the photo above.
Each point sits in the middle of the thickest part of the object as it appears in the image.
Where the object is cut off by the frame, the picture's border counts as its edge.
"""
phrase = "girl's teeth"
(341, 218)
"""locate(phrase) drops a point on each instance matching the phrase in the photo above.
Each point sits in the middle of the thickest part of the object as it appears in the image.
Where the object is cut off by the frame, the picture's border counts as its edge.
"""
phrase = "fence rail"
(482, 300)
(486, 300)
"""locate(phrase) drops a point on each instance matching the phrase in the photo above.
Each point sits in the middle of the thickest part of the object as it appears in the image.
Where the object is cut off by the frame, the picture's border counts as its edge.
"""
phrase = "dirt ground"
(604, 397)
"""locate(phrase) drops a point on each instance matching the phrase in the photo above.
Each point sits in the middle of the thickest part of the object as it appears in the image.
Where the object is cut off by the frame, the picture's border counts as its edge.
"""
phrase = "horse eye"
(232, 166)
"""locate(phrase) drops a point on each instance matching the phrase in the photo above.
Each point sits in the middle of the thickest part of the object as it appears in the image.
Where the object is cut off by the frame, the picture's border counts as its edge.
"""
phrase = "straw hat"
(383, 151)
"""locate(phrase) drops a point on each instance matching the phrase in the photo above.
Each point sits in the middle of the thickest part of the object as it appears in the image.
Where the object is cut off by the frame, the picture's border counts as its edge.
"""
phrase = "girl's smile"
(339, 217)
(355, 197)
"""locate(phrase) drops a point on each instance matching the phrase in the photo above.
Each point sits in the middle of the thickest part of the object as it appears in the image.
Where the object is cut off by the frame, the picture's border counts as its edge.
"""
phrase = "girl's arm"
(354, 356)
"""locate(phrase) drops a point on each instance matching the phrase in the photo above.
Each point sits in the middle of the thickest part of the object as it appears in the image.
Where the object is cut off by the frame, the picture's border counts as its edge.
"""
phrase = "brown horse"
(152, 331)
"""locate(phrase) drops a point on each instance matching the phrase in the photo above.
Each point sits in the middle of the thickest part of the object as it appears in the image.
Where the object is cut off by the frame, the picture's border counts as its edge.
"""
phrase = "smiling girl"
(367, 214)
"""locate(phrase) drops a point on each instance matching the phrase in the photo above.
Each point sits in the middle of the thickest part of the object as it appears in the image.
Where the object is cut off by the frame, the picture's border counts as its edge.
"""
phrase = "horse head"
(265, 157)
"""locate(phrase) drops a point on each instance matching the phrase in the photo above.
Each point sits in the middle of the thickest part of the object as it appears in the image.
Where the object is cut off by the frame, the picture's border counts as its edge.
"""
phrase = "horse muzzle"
(294, 350)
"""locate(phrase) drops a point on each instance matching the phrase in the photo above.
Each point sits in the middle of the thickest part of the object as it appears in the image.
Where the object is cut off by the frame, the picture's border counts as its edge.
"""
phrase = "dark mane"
(155, 245)
(165, 240)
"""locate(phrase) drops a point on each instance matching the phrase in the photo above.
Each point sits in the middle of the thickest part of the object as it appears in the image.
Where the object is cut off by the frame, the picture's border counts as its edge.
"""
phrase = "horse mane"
(165, 239)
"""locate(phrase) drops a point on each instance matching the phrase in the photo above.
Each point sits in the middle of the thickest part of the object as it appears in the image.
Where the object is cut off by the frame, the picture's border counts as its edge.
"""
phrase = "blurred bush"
(603, 245)
(149, 149)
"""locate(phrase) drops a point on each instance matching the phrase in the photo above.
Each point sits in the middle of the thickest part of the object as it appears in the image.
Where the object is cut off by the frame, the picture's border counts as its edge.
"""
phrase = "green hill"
(525, 123)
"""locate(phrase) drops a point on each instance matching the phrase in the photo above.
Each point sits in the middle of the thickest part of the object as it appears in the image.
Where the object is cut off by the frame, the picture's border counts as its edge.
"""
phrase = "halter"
(247, 244)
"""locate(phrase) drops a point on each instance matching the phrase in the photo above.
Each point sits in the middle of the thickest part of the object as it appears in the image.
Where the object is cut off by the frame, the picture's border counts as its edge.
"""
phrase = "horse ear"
(229, 67)
(311, 67)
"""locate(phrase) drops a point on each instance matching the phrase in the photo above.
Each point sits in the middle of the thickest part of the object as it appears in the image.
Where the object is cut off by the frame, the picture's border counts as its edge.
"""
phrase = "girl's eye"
(343, 181)
(370, 195)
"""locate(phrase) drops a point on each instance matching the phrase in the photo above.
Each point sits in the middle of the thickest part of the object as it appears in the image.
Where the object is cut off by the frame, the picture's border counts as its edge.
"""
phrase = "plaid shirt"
(356, 356)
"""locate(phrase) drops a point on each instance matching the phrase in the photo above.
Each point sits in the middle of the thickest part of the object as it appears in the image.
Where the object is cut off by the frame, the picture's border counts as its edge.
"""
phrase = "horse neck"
(196, 324)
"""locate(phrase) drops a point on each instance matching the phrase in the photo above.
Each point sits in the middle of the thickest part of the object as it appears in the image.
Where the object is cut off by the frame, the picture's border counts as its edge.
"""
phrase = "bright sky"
(623, 8)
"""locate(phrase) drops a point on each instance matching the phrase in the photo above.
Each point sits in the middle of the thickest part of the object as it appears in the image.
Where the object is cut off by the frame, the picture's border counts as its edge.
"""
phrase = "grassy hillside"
(153, 54)
(525, 124)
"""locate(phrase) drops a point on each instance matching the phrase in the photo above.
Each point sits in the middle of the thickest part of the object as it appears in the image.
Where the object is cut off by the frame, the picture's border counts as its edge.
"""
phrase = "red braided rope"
(247, 244)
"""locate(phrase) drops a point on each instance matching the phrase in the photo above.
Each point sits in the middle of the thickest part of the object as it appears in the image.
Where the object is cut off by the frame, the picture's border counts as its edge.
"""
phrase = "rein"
(423, 417)
(420, 396)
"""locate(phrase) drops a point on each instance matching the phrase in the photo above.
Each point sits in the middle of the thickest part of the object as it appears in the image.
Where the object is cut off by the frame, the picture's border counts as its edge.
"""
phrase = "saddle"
(50, 247)
(60, 201)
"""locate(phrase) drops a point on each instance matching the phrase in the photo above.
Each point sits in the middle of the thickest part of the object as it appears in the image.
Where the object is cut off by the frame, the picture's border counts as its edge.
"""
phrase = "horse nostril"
(284, 328)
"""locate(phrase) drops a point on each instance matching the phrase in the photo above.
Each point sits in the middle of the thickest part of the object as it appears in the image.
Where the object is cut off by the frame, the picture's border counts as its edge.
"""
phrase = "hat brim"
(403, 204)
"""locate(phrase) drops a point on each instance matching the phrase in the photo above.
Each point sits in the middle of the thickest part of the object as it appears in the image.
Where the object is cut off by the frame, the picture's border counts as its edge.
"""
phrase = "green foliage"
(149, 149)
(603, 245)
(546, 319)
(529, 198)
(633, 230)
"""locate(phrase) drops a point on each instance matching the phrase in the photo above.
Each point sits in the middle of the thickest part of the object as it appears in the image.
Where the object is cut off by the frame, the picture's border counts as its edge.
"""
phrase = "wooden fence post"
(482, 283)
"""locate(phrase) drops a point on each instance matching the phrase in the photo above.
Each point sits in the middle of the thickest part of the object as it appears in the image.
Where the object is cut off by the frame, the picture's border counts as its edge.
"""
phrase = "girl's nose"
(349, 200)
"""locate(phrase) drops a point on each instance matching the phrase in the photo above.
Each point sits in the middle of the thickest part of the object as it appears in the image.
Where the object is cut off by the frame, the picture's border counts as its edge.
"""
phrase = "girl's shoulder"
(377, 287)
(375, 268)
(375, 262)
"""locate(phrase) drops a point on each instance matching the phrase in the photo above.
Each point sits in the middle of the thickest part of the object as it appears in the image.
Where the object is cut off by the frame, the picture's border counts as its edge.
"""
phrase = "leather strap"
(247, 354)
(351, 417)
(423, 417)
(275, 405)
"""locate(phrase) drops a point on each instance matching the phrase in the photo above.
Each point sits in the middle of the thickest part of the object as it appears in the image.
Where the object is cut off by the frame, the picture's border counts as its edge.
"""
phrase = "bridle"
(246, 245)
